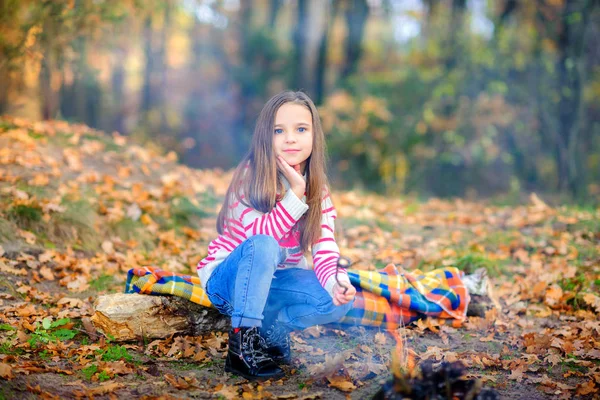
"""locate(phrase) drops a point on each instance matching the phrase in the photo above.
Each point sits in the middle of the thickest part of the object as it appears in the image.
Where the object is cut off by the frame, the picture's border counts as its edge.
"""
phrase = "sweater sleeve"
(326, 252)
(276, 223)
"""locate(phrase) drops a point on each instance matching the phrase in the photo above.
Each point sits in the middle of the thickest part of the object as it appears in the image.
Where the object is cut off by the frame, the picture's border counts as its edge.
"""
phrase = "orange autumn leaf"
(553, 295)
(341, 383)
(6, 371)
(586, 388)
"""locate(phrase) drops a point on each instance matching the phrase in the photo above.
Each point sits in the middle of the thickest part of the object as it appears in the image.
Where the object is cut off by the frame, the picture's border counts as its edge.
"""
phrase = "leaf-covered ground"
(78, 208)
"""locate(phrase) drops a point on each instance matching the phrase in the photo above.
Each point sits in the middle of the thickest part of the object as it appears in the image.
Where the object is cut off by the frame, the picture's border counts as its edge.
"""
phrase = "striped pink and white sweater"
(282, 224)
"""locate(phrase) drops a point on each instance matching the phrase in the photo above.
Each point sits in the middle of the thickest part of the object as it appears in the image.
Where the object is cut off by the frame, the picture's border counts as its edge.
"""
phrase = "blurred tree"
(156, 29)
(300, 39)
(356, 13)
(574, 21)
(321, 67)
(443, 97)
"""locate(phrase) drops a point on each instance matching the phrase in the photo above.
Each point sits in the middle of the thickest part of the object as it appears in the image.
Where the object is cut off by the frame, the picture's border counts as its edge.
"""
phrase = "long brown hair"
(256, 176)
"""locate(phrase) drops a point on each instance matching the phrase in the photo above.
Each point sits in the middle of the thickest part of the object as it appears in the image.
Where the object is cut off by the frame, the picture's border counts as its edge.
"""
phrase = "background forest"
(445, 98)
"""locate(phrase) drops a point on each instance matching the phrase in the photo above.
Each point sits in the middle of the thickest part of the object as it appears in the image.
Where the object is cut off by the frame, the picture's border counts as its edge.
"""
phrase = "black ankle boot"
(246, 356)
(277, 343)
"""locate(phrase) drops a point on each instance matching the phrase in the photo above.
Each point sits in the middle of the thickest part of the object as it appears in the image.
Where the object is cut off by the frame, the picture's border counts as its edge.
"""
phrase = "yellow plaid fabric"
(386, 298)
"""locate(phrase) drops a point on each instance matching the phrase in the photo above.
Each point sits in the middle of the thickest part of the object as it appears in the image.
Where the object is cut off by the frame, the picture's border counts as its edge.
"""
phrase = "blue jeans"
(248, 287)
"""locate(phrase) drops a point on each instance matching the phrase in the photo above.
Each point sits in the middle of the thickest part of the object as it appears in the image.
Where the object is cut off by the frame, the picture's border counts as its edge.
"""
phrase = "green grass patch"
(7, 230)
(7, 327)
(128, 229)
(34, 191)
(75, 224)
(25, 216)
(185, 366)
(385, 226)
(353, 222)
(574, 284)
(497, 238)
(51, 331)
(209, 201)
(63, 139)
(412, 208)
(185, 213)
(102, 283)
(103, 376)
(35, 135)
(109, 144)
(587, 252)
(89, 371)
(472, 262)
(44, 355)
(6, 125)
(8, 349)
(115, 353)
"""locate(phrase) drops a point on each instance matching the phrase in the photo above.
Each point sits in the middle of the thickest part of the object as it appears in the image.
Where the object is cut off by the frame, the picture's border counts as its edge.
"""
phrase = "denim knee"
(267, 249)
(335, 312)
(267, 246)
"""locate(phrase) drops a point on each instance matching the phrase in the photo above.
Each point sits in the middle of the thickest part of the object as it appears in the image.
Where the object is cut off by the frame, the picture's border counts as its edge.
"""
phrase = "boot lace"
(252, 346)
(276, 336)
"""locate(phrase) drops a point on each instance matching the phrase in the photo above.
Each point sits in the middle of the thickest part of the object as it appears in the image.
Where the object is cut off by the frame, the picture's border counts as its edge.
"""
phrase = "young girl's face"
(293, 134)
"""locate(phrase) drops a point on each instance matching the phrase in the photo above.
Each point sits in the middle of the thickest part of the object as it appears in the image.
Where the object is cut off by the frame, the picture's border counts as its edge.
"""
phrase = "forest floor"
(79, 208)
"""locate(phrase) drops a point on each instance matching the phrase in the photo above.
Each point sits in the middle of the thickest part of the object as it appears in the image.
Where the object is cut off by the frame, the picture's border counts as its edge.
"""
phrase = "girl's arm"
(326, 252)
(276, 223)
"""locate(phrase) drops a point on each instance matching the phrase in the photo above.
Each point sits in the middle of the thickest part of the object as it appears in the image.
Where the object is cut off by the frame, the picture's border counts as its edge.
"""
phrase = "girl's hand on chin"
(293, 175)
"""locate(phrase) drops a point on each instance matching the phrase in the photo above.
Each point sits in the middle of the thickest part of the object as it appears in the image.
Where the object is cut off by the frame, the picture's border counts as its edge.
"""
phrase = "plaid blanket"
(386, 298)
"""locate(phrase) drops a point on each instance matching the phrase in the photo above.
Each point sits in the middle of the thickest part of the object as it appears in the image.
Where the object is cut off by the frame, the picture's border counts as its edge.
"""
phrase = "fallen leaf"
(89, 328)
(47, 273)
(553, 295)
(177, 382)
(108, 247)
(229, 392)
(6, 371)
(79, 284)
(71, 302)
(592, 300)
(342, 383)
(27, 311)
(516, 374)
(28, 236)
(380, 338)
(105, 388)
(586, 388)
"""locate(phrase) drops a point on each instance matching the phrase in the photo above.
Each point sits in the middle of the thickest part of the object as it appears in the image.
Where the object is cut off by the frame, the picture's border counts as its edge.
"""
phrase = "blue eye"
(278, 130)
(301, 129)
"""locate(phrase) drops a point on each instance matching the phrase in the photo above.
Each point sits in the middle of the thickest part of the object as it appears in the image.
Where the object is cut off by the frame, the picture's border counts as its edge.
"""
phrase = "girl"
(276, 207)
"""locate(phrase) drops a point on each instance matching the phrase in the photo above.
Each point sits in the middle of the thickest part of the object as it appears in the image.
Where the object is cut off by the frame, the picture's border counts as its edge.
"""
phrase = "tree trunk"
(161, 90)
(509, 8)
(134, 316)
(299, 40)
(49, 96)
(118, 84)
(570, 46)
(4, 87)
(456, 26)
(357, 12)
(246, 90)
(274, 7)
(321, 67)
(147, 90)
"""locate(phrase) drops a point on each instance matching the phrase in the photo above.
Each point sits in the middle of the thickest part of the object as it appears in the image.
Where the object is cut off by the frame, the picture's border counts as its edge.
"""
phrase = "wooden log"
(135, 316)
